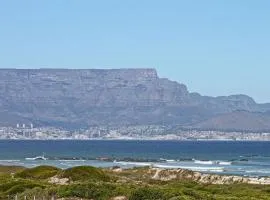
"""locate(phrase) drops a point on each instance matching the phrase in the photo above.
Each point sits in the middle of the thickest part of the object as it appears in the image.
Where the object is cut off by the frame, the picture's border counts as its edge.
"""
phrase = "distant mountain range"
(78, 98)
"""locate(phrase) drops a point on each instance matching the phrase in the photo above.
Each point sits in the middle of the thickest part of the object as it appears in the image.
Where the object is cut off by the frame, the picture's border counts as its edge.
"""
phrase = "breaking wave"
(224, 163)
(194, 168)
(133, 163)
(210, 162)
(204, 162)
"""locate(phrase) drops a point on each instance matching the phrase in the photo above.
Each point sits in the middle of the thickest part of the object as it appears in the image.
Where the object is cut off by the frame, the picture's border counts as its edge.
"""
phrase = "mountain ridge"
(74, 98)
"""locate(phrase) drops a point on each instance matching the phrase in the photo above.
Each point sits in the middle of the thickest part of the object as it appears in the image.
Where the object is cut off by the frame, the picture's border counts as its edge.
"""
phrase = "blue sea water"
(224, 157)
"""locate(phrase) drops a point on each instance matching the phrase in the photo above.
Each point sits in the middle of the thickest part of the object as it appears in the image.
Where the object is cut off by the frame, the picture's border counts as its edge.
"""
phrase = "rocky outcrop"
(77, 98)
(59, 181)
(182, 174)
(119, 198)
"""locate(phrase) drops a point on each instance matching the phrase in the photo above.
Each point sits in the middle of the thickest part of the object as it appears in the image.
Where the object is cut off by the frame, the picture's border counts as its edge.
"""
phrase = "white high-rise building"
(18, 126)
(32, 126)
(23, 125)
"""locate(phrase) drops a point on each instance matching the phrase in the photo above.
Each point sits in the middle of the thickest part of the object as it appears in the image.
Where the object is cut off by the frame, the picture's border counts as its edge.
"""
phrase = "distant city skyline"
(216, 48)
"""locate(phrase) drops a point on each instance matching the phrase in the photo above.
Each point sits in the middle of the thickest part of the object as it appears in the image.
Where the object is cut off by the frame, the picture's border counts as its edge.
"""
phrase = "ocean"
(221, 157)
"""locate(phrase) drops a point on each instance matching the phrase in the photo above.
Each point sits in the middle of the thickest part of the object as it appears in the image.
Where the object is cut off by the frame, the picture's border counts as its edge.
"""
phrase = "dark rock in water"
(106, 159)
(77, 98)
(244, 160)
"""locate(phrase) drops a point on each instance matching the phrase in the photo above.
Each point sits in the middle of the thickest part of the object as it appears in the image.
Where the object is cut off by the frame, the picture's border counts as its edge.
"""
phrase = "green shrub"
(147, 194)
(10, 169)
(89, 191)
(35, 192)
(19, 188)
(40, 172)
(84, 173)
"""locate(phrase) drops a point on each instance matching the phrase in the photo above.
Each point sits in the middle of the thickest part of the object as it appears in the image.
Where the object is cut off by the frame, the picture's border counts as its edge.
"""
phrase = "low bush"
(88, 191)
(147, 194)
(40, 172)
(85, 173)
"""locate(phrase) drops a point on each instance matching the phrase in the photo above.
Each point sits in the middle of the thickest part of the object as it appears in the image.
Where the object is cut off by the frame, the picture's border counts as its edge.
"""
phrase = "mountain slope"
(74, 98)
(238, 120)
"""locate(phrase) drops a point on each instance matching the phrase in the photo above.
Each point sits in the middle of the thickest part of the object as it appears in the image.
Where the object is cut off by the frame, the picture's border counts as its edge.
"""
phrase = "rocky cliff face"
(81, 98)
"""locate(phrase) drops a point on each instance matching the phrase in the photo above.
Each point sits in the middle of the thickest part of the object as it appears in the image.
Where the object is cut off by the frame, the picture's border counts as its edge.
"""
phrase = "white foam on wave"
(9, 160)
(167, 160)
(258, 171)
(71, 160)
(132, 163)
(210, 162)
(224, 163)
(30, 159)
(170, 161)
(193, 168)
(37, 158)
(204, 162)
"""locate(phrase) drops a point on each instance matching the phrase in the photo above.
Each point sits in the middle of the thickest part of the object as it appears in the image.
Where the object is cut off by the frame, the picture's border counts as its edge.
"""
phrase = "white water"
(203, 162)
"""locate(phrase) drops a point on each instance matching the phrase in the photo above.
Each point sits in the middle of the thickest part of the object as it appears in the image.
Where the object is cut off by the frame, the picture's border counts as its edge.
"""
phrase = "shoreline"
(202, 156)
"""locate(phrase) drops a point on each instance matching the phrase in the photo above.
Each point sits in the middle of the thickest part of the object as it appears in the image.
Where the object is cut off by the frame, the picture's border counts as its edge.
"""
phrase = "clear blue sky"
(217, 47)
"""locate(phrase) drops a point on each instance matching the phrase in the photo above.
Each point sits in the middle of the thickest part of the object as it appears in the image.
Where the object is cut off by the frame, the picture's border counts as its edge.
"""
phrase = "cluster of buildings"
(143, 132)
(28, 131)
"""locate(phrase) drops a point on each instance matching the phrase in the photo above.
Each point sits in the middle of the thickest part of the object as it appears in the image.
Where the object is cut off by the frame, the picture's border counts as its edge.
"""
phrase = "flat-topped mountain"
(75, 98)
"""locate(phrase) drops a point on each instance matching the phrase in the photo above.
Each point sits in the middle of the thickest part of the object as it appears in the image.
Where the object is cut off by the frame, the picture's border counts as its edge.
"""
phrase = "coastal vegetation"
(86, 182)
(40, 172)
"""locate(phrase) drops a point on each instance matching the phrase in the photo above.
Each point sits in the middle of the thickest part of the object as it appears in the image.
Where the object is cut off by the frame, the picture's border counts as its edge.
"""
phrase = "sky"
(215, 47)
